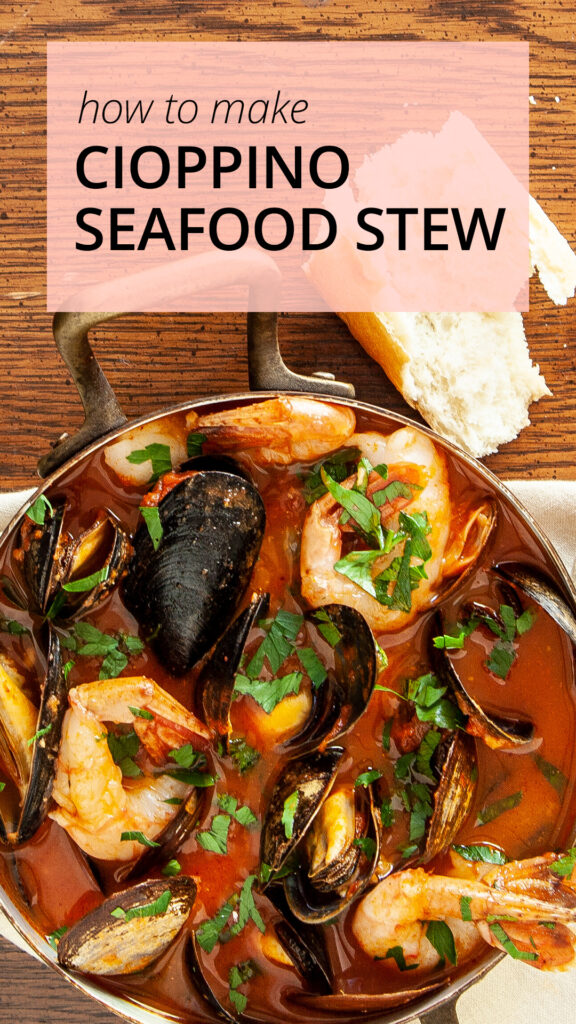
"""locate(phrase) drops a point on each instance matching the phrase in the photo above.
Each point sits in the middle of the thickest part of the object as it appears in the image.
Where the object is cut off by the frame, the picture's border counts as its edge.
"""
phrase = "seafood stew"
(287, 717)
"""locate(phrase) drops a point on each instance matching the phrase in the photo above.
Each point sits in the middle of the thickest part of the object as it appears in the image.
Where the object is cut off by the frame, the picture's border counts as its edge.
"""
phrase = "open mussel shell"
(122, 935)
(469, 543)
(185, 593)
(344, 695)
(454, 794)
(53, 706)
(497, 731)
(312, 778)
(543, 592)
(170, 840)
(215, 684)
(45, 555)
(104, 546)
(335, 869)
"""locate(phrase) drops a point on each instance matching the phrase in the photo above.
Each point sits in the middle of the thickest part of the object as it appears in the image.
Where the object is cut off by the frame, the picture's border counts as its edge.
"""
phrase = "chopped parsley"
(141, 713)
(365, 778)
(312, 665)
(363, 511)
(215, 840)
(138, 837)
(396, 953)
(38, 735)
(158, 455)
(277, 645)
(89, 642)
(326, 627)
(288, 813)
(38, 509)
(494, 810)
(208, 934)
(425, 753)
(367, 845)
(151, 516)
(237, 976)
(429, 701)
(171, 868)
(13, 627)
(123, 748)
(552, 774)
(269, 693)
(386, 813)
(507, 944)
(440, 936)
(386, 731)
(247, 909)
(194, 444)
(88, 582)
(56, 935)
(481, 853)
(243, 815)
(153, 909)
(339, 467)
(67, 669)
(565, 865)
(185, 756)
(243, 755)
(465, 911)
(396, 489)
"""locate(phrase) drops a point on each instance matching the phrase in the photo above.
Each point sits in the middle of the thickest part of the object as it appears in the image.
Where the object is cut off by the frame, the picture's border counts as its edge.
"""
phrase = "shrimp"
(522, 904)
(95, 803)
(280, 431)
(411, 457)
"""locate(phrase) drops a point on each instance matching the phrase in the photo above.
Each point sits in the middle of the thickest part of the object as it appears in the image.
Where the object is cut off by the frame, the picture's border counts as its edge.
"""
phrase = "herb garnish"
(386, 813)
(38, 509)
(277, 645)
(215, 840)
(158, 906)
(243, 815)
(56, 935)
(13, 627)
(157, 454)
(565, 865)
(396, 953)
(208, 934)
(367, 845)
(506, 627)
(141, 713)
(88, 582)
(551, 773)
(288, 813)
(484, 854)
(237, 976)
(90, 642)
(138, 837)
(326, 627)
(38, 735)
(171, 868)
(247, 908)
(494, 810)
(430, 705)
(365, 778)
(363, 511)
(269, 693)
(123, 748)
(243, 755)
(339, 468)
(465, 911)
(506, 942)
(191, 763)
(194, 444)
(151, 516)
(440, 936)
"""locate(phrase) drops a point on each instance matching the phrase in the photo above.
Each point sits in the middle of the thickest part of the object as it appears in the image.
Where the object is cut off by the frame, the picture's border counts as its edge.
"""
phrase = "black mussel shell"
(543, 592)
(215, 684)
(344, 696)
(312, 778)
(105, 545)
(186, 592)
(496, 731)
(114, 940)
(46, 555)
(53, 707)
(194, 963)
(317, 896)
(454, 794)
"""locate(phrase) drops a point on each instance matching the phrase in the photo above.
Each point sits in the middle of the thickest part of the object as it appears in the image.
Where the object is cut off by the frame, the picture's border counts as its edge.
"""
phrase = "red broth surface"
(54, 884)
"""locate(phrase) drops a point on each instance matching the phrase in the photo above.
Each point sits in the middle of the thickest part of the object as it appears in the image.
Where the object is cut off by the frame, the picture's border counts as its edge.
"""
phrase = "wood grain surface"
(160, 360)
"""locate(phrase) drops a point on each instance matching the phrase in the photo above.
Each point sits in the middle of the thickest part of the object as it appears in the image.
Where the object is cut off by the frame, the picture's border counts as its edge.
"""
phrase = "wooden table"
(159, 360)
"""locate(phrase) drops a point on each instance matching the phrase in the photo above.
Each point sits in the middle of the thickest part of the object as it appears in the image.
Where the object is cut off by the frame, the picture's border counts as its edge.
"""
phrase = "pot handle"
(443, 1014)
(267, 370)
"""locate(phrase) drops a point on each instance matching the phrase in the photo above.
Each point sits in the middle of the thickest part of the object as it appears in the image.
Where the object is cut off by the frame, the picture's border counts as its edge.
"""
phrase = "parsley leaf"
(386, 731)
(38, 735)
(465, 911)
(151, 516)
(396, 953)
(501, 936)
(268, 693)
(312, 665)
(153, 909)
(138, 837)
(396, 489)
(171, 868)
(565, 865)
(500, 659)
(56, 935)
(552, 774)
(288, 813)
(494, 810)
(142, 713)
(243, 815)
(365, 778)
(123, 749)
(386, 813)
(38, 509)
(185, 756)
(247, 908)
(361, 509)
(484, 854)
(326, 627)
(13, 627)
(439, 935)
(243, 755)
(367, 845)
(339, 468)
(425, 753)
(194, 444)
(88, 582)
(277, 645)
(237, 976)
(215, 840)
(208, 934)
(157, 454)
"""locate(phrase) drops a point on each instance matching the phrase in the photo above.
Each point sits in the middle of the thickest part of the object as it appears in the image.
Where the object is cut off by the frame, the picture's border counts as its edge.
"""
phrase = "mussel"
(470, 541)
(334, 832)
(498, 731)
(185, 592)
(454, 794)
(68, 577)
(129, 930)
(543, 592)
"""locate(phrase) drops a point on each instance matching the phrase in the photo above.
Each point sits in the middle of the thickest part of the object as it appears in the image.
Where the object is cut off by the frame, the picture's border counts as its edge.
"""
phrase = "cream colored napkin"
(512, 993)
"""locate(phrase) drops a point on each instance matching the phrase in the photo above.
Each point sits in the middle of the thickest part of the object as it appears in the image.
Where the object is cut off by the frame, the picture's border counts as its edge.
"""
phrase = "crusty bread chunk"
(468, 374)
(551, 256)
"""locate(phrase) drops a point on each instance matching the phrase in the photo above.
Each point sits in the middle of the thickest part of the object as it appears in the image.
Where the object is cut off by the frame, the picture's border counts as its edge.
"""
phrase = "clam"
(215, 684)
(340, 853)
(543, 592)
(186, 591)
(497, 731)
(129, 930)
(454, 794)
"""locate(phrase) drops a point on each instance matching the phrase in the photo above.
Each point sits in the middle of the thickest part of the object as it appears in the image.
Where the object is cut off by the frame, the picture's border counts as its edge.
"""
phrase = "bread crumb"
(532, 101)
